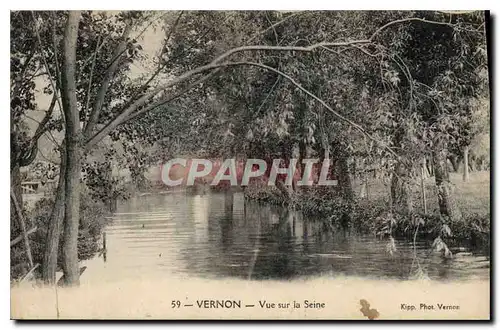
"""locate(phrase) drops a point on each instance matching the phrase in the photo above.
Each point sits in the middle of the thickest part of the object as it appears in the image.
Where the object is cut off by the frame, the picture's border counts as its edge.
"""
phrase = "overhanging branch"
(124, 115)
(323, 103)
(171, 98)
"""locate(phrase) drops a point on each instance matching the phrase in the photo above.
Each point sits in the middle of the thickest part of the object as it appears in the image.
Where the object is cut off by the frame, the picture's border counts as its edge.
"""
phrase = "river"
(183, 235)
(169, 250)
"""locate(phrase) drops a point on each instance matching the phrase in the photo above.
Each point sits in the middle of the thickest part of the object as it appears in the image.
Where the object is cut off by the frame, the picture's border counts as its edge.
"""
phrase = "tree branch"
(106, 82)
(89, 129)
(47, 132)
(171, 98)
(160, 66)
(290, 79)
(403, 20)
(47, 159)
(174, 27)
(28, 156)
(56, 51)
(92, 74)
(41, 126)
(44, 59)
(188, 74)
(105, 39)
(323, 103)
(273, 26)
(150, 23)
(215, 64)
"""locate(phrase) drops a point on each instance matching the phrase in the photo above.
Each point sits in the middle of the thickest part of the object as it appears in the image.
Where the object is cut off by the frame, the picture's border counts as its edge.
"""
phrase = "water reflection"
(205, 236)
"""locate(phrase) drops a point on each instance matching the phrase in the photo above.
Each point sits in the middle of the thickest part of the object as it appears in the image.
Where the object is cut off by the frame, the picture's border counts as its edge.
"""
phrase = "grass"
(472, 197)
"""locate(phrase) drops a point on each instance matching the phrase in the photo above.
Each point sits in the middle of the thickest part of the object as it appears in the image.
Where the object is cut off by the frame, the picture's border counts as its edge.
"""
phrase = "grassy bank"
(370, 214)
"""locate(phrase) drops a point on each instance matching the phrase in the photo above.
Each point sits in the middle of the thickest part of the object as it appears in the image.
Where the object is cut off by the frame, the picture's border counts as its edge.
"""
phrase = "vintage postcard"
(250, 165)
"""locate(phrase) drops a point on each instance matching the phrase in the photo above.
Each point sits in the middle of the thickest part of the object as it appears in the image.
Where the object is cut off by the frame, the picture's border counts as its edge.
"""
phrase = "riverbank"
(156, 298)
(370, 214)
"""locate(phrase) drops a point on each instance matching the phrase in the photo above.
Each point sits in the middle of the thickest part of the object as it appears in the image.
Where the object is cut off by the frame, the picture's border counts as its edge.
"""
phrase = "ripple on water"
(196, 236)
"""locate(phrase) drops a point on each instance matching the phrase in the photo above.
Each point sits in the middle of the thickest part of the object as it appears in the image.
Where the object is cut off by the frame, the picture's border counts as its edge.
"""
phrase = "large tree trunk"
(73, 149)
(466, 164)
(54, 232)
(447, 205)
(71, 211)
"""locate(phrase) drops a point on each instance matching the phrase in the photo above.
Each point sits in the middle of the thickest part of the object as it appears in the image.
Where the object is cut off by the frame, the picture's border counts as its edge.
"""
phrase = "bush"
(92, 221)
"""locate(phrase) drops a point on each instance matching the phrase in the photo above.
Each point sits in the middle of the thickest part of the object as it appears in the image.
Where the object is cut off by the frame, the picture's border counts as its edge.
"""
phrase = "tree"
(100, 34)
(445, 79)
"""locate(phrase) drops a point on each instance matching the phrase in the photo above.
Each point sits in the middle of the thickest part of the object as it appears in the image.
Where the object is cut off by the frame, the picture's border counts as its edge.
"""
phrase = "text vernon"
(218, 303)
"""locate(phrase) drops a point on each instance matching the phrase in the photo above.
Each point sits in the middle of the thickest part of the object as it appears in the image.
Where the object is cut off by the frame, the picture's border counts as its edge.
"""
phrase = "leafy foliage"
(398, 87)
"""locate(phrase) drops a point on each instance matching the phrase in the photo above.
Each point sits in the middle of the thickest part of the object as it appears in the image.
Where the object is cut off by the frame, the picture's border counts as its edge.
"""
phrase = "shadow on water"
(221, 235)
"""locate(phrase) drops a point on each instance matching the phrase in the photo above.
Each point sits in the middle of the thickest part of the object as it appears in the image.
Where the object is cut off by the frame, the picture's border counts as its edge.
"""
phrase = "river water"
(183, 235)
